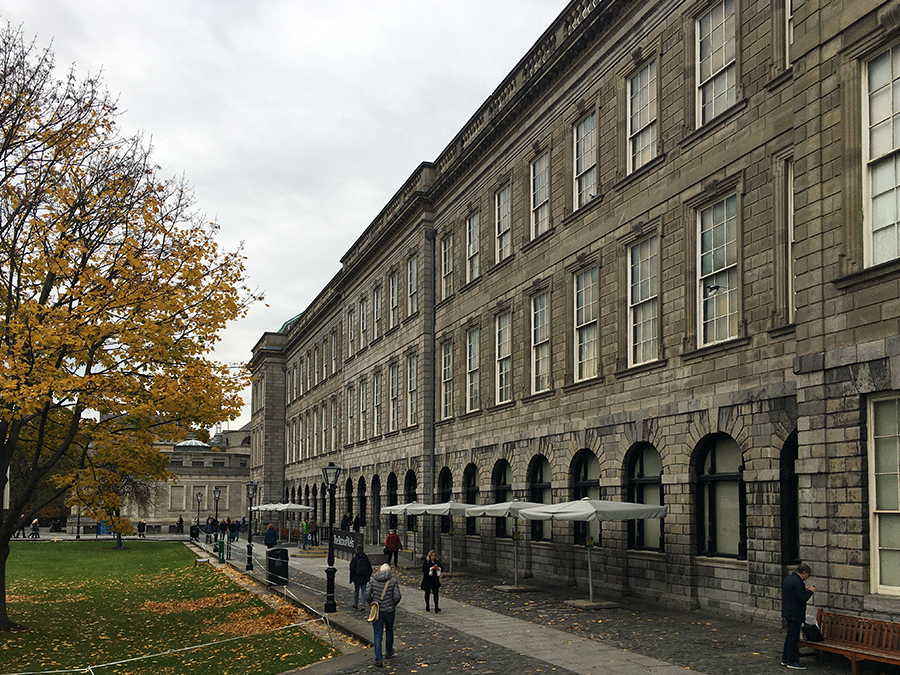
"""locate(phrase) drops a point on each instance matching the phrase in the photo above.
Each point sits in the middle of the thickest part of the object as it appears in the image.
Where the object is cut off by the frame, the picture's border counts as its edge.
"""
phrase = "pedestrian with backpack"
(360, 573)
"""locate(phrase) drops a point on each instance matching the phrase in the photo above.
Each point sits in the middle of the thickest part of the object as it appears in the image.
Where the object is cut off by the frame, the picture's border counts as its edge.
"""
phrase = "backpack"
(364, 567)
(353, 565)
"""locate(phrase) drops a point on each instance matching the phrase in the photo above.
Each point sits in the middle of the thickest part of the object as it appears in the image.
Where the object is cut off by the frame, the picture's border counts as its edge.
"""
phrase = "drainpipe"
(431, 236)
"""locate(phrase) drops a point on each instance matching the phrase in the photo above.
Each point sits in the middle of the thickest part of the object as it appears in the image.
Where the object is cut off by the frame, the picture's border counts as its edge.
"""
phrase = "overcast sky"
(294, 120)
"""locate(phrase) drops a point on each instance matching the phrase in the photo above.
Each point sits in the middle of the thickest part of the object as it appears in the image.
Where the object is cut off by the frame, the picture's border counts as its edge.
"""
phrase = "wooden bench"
(857, 638)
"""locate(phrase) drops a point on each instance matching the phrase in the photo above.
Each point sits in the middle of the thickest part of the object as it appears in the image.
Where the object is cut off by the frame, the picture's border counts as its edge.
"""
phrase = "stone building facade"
(199, 468)
(661, 263)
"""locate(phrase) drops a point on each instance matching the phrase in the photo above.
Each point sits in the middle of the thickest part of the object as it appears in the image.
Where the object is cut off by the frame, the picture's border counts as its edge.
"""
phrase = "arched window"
(645, 487)
(306, 501)
(721, 526)
(410, 485)
(470, 490)
(376, 510)
(445, 494)
(348, 494)
(293, 499)
(539, 483)
(325, 504)
(392, 499)
(586, 483)
(361, 500)
(790, 502)
(502, 483)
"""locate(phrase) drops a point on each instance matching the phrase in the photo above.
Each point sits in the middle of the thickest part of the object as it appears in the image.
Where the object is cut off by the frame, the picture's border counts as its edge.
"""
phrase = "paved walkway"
(485, 631)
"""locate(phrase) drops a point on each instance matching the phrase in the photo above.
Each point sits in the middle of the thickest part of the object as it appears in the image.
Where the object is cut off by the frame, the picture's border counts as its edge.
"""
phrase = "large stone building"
(661, 263)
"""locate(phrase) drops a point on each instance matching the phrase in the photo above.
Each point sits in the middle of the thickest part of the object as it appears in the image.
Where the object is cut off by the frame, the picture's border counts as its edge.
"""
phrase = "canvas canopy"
(587, 510)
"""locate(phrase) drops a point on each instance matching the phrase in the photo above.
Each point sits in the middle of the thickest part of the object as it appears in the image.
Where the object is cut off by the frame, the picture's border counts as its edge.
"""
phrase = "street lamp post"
(199, 499)
(251, 493)
(331, 473)
(216, 494)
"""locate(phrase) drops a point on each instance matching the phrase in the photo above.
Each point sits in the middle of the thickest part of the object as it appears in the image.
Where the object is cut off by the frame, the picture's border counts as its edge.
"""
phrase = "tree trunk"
(6, 626)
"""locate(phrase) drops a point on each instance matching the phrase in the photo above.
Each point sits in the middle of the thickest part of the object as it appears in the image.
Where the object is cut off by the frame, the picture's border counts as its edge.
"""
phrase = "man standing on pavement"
(393, 546)
(384, 590)
(794, 594)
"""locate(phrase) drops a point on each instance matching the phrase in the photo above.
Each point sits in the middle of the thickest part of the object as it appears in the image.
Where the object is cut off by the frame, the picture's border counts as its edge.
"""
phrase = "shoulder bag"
(375, 606)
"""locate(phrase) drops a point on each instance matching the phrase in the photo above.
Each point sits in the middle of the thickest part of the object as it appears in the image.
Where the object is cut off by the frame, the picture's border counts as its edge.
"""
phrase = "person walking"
(142, 529)
(232, 530)
(35, 529)
(346, 522)
(431, 579)
(20, 527)
(271, 537)
(304, 533)
(794, 595)
(393, 546)
(179, 525)
(384, 590)
(313, 531)
(360, 573)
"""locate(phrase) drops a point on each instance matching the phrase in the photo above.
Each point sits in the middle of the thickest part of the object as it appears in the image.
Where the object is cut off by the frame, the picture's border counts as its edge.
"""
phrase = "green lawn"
(88, 604)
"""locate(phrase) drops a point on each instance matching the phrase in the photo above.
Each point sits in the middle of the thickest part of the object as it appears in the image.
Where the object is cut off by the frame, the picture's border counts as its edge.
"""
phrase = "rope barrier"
(90, 669)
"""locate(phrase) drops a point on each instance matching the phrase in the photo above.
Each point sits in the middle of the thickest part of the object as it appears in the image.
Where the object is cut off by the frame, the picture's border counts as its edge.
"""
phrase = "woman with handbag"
(431, 579)
(385, 591)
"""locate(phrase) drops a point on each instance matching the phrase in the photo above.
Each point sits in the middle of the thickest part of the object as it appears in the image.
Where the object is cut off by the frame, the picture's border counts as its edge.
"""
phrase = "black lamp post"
(251, 493)
(331, 473)
(78, 526)
(216, 494)
(199, 499)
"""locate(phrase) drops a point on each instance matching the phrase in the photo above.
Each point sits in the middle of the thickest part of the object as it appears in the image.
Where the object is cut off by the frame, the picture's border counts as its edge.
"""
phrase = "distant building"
(199, 468)
(661, 263)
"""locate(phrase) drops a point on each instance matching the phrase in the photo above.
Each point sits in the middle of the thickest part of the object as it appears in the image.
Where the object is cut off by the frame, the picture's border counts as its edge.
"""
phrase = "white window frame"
(315, 431)
(642, 117)
(376, 312)
(334, 353)
(394, 393)
(643, 301)
(412, 390)
(884, 479)
(540, 195)
(334, 424)
(363, 323)
(351, 334)
(351, 417)
(446, 380)
(412, 286)
(363, 409)
(717, 271)
(325, 359)
(715, 72)
(316, 365)
(394, 298)
(584, 146)
(503, 371)
(882, 160)
(473, 375)
(540, 342)
(324, 427)
(446, 267)
(503, 221)
(473, 247)
(376, 403)
(586, 325)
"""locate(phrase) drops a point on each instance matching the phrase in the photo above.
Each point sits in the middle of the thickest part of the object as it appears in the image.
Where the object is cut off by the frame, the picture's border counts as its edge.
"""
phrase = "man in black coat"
(794, 594)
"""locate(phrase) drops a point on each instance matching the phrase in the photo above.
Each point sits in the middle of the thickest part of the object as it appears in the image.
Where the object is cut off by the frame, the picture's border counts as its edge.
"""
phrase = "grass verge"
(88, 604)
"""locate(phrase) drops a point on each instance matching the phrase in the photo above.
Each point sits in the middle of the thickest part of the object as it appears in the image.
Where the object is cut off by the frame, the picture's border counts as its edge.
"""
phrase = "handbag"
(812, 633)
(375, 606)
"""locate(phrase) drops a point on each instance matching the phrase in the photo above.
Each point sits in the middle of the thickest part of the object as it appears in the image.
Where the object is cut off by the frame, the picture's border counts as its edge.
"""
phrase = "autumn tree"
(113, 291)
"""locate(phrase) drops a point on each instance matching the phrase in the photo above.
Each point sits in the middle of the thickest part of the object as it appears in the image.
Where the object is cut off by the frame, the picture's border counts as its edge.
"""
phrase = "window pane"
(886, 455)
(887, 492)
(727, 527)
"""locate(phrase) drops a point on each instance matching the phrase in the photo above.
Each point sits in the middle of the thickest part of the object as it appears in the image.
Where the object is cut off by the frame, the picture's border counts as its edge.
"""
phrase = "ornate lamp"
(331, 473)
(251, 494)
